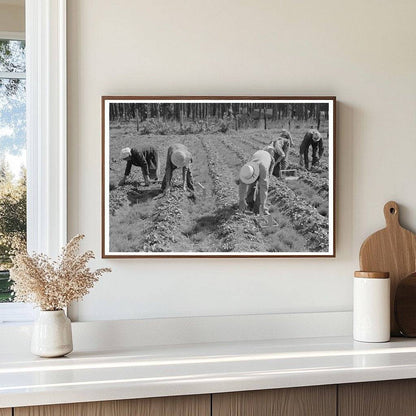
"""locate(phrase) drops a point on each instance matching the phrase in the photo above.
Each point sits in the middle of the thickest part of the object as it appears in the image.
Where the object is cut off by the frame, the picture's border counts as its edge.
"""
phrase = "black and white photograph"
(218, 176)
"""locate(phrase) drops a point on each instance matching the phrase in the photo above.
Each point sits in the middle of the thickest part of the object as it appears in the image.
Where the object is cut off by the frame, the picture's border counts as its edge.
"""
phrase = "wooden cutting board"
(393, 250)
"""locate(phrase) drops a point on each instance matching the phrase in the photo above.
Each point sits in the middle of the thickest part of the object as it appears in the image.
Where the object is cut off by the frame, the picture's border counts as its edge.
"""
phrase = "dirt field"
(213, 223)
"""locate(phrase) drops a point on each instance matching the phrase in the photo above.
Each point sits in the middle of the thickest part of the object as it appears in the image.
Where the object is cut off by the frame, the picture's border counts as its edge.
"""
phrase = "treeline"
(12, 212)
(12, 59)
(181, 112)
(12, 223)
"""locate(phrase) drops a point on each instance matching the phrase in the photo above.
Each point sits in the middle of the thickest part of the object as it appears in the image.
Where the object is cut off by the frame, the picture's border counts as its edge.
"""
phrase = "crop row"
(305, 219)
(320, 185)
(166, 220)
(165, 228)
(237, 231)
(260, 142)
(285, 230)
(286, 194)
(243, 156)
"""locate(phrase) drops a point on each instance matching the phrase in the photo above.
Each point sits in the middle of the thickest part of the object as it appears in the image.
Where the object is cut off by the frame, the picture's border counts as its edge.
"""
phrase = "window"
(12, 153)
(45, 27)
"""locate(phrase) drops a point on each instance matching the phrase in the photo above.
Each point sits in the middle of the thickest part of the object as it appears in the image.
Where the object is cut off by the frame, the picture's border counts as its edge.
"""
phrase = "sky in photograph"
(13, 107)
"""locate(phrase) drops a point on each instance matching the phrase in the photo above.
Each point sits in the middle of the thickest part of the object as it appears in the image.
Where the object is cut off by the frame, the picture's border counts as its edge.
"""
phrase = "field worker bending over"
(285, 141)
(146, 157)
(286, 135)
(312, 138)
(254, 182)
(278, 150)
(285, 145)
(179, 157)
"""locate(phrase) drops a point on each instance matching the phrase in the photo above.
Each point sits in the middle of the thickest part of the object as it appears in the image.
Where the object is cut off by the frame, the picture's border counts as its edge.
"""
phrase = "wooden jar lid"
(372, 275)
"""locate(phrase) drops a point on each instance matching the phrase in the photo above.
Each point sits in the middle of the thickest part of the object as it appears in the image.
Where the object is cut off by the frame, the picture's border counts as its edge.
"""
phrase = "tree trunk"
(181, 114)
(318, 116)
(136, 111)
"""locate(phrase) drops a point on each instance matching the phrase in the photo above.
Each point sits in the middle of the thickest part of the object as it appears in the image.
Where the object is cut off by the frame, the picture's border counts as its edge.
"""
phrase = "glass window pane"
(12, 56)
(12, 175)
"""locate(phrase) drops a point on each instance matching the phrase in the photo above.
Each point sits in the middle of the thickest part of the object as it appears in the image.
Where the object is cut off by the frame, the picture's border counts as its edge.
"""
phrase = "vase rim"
(57, 310)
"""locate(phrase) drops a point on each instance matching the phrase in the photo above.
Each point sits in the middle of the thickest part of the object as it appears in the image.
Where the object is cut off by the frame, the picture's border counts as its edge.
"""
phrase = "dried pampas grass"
(53, 285)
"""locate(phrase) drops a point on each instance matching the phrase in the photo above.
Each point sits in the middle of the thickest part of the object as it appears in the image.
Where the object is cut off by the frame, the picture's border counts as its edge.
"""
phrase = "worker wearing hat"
(312, 138)
(179, 157)
(277, 149)
(281, 147)
(254, 182)
(145, 157)
(286, 135)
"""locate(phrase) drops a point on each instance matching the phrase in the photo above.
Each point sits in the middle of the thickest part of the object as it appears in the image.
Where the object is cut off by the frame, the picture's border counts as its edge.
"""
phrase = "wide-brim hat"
(126, 152)
(180, 158)
(284, 133)
(249, 173)
(316, 136)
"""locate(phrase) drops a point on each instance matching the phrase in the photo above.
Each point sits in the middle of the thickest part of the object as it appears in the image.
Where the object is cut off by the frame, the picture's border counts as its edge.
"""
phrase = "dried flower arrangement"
(53, 285)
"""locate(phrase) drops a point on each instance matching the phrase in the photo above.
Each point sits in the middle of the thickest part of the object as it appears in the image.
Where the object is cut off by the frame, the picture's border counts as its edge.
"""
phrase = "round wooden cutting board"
(393, 250)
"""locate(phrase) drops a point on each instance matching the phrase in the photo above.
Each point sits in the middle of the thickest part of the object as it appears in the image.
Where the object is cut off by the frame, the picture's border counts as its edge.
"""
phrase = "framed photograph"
(218, 177)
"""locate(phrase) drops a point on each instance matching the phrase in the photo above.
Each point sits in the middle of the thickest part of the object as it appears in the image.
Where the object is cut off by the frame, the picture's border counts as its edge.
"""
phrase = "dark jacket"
(317, 148)
(143, 157)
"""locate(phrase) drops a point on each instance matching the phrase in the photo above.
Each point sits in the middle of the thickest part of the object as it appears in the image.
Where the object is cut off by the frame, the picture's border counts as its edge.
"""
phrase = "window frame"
(46, 127)
(12, 35)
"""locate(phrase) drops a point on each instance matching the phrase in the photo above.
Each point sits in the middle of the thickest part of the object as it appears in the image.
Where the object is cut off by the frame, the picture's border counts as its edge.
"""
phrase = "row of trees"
(12, 212)
(12, 59)
(190, 111)
(12, 223)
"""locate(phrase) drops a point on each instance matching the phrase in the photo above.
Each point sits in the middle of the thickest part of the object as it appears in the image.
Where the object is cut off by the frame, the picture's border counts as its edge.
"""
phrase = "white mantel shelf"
(152, 371)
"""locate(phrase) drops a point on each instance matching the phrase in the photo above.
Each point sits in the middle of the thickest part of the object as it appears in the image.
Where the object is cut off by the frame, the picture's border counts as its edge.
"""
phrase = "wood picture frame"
(213, 209)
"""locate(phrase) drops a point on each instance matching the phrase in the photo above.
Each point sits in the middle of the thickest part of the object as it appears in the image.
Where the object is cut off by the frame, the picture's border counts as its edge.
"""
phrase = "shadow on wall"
(344, 180)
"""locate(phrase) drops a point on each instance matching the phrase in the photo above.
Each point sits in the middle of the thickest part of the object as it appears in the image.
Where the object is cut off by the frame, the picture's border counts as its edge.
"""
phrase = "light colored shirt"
(264, 160)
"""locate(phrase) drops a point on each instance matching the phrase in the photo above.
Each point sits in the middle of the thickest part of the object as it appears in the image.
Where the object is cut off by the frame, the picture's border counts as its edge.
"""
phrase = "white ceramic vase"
(52, 334)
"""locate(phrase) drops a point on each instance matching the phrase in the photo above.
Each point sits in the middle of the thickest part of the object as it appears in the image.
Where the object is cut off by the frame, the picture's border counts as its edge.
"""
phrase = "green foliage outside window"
(12, 223)
(12, 145)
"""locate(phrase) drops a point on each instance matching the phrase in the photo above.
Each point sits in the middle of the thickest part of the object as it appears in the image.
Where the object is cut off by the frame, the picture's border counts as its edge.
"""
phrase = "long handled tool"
(204, 191)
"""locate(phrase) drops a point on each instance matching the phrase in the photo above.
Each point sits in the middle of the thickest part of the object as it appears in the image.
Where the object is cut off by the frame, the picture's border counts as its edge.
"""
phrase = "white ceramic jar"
(371, 305)
(52, 334)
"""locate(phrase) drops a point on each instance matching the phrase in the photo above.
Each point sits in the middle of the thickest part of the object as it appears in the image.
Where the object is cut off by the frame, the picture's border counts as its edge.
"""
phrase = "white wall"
(361, 51)
(12, 18)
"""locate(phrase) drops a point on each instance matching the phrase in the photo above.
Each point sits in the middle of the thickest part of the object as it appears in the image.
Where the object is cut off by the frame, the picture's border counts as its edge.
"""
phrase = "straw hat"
(180, 158)
(249, 173)
(316, 136)
(126, 152)
(284, 133)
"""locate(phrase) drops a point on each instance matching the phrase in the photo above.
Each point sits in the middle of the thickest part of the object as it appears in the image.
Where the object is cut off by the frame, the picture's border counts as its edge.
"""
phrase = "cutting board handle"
(391, 213)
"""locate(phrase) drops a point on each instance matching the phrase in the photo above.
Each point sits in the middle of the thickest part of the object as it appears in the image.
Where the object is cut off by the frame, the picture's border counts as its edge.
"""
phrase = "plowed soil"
(142, 220)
